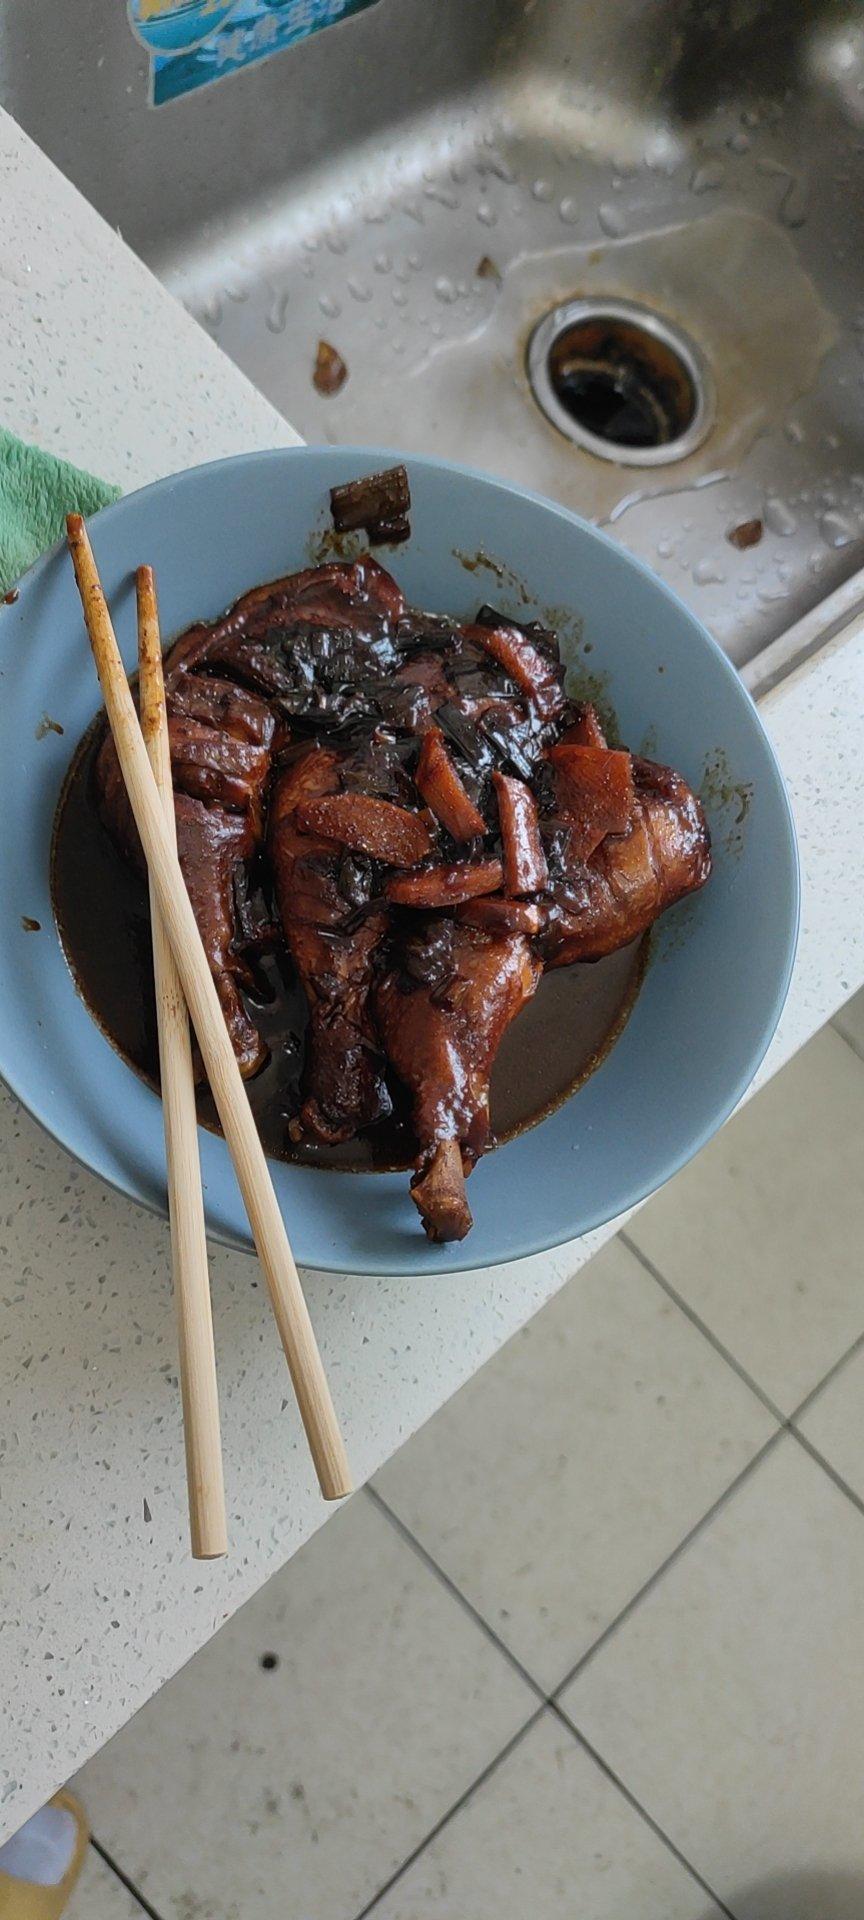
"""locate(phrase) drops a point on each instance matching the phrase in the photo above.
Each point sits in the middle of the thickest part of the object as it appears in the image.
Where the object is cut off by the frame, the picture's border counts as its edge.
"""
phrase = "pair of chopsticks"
(183, 980)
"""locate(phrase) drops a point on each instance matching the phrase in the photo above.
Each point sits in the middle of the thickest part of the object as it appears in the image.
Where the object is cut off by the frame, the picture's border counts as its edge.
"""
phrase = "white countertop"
(99, 1599)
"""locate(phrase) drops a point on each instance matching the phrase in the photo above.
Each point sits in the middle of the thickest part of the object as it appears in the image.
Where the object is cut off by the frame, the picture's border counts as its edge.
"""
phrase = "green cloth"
(36, 492)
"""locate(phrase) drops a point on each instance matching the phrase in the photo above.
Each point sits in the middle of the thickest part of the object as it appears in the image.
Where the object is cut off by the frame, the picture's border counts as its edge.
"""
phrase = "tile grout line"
(695, 1320)
(567, 1726)
(851, 1044)
(455, 1592)
(820, 1460)
(626, 1794)
(549, 1701)
(788, 1421)
(825, 1380)
(480, 1781)
(676, 1554)
(109, 1861)
(549, 1698)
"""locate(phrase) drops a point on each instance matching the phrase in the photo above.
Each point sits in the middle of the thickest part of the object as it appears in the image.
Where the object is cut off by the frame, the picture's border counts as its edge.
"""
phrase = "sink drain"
(621, 382)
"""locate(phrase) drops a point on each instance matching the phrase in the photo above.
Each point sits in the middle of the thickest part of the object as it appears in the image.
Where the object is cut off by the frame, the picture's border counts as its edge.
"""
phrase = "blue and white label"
(191, 42)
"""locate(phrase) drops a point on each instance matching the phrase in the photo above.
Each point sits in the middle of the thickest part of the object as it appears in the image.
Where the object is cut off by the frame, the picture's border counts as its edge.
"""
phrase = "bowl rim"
(455, 1257)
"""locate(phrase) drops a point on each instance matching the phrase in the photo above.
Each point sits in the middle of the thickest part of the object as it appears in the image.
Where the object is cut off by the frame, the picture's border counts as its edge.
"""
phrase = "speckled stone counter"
(99, 1600)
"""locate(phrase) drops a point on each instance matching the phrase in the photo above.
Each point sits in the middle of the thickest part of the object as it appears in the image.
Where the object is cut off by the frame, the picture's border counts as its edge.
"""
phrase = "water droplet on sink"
(329, 306)
(382, 263)
(376, 216)
(211, 312)
(835, 529)
(706, 573)
(793, 206)
(277, 314)
(708, 178)
(501, 169)
(311, 243)
(568, 211)
(739, 141)
(236, 291)
(445, 290)
(611, 219)
(542, 190)
(795, 432)
(665, 548)
(359, 289)
(778, 517)
(399, 297)
(444, 196)
(486, 214)
(336, 242)
(414, 262)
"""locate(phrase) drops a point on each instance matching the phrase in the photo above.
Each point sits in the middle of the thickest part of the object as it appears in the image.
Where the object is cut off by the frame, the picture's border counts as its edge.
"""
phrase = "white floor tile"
(559, 1479)
(256, 1795)
(762, 1233)
(850, 1022)
(547, 1837)
(99, 1894)
(731, 1701)
(834, 1422)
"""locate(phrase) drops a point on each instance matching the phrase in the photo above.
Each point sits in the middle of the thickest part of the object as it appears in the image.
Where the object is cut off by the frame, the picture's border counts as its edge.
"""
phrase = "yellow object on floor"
(40, 1865)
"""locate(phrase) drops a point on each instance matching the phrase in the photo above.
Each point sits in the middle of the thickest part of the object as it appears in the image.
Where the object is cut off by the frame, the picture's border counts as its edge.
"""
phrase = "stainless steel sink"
(422, 185)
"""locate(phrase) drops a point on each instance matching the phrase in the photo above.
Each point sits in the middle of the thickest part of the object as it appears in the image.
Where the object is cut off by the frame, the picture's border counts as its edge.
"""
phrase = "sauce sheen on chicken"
(423, 823)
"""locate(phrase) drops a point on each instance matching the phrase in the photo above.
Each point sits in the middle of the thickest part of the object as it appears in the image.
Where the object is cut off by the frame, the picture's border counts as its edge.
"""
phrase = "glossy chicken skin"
(439, 823)
(334, 956)
(221, 704)
(442, 1040)
(211, 845)
(220, 774)
(632, 877)
(359, 598)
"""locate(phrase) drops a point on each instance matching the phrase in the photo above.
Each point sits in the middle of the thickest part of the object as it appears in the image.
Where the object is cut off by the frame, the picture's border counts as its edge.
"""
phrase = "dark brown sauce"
(102, 915)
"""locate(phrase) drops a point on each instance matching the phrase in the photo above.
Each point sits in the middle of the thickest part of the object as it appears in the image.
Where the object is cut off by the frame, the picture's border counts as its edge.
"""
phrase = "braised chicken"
(442, 1038)
(334, 946)
(213, 845)
(633, 876)
(428, 823)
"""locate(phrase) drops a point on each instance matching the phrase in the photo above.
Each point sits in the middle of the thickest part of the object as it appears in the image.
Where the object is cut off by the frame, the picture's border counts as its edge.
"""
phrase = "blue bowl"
(721, 963)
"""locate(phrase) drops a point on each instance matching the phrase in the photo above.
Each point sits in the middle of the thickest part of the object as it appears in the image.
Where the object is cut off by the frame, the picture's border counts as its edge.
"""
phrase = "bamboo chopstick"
(229, 1093)
(185, 1199)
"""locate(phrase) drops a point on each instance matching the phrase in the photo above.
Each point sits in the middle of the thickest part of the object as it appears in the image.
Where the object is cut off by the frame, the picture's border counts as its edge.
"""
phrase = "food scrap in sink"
(407, 813)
